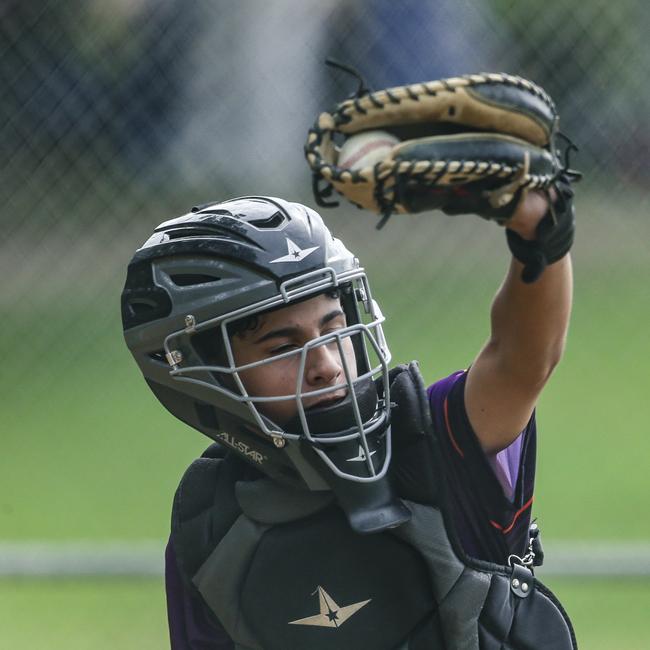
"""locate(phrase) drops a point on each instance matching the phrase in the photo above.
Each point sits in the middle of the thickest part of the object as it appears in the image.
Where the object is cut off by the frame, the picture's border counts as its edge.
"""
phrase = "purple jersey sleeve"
(190, 627)
(489, 497)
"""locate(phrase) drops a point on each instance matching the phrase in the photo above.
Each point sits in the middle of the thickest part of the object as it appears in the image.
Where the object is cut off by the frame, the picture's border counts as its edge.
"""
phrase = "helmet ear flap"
(187, 411)
(210, 347)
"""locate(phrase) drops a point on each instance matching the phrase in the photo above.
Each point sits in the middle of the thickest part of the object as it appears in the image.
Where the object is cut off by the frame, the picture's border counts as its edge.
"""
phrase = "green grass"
(91, 455)
(88, 453)
(594, 415)
(593, 449)
(130, 614)
(83, 615)
(607, 615)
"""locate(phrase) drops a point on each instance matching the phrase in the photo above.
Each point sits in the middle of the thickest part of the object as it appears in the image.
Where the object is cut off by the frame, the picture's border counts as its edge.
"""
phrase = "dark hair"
(246, 324)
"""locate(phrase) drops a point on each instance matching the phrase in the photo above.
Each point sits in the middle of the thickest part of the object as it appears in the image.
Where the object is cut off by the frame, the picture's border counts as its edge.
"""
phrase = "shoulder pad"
(413, 467)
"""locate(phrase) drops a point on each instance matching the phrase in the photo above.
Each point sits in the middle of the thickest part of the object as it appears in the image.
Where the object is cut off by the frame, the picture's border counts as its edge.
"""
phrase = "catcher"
(346, 504)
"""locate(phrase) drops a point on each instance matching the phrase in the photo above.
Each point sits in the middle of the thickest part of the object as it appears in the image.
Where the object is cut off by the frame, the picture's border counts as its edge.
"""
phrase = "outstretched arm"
(529, 327)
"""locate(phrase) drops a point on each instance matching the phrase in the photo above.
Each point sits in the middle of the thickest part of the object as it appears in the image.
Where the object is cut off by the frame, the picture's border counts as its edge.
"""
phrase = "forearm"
(530, 322)
(529, 326)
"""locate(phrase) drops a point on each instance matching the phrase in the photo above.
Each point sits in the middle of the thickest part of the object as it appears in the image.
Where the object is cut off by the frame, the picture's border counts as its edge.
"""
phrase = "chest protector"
(281, 569)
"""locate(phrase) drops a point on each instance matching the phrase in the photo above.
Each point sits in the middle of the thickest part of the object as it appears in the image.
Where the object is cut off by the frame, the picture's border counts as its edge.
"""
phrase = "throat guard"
(368, 500)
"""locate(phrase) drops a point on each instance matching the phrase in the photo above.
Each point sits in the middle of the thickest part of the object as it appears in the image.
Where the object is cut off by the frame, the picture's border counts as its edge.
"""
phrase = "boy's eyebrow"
(291, 330)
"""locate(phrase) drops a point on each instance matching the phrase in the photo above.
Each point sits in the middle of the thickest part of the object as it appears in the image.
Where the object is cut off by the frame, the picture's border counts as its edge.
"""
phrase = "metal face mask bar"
(369, 335)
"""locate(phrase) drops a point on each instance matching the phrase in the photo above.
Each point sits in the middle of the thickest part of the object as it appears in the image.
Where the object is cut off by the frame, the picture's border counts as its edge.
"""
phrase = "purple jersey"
(489, 498)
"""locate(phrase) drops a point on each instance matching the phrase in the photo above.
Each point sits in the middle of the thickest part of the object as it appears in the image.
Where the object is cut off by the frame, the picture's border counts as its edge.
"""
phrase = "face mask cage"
(371, 358)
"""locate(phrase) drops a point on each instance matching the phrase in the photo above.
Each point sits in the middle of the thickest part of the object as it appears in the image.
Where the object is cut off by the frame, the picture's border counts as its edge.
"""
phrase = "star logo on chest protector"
(331, 615)
(295, 253)
(362, 456)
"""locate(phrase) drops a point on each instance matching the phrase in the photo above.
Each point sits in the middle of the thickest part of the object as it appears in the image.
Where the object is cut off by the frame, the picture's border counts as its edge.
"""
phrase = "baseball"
(366, 149)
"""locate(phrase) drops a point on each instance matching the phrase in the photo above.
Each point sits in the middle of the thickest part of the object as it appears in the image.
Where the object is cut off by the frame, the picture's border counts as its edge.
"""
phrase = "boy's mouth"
(329, 400)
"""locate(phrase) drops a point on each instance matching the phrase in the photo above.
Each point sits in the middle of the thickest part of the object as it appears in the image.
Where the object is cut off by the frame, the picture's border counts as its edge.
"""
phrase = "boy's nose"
(323, 365)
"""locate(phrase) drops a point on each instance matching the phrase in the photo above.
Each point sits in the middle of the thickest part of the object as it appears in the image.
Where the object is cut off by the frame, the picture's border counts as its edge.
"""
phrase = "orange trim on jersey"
(505, 531)
(449, 431)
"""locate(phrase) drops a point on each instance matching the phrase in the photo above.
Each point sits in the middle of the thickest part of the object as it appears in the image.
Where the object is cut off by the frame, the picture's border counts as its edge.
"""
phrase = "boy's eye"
(285, 347)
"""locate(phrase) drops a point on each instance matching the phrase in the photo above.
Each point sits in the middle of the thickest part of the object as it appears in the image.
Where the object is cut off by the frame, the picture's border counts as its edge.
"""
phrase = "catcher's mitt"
(467, 144)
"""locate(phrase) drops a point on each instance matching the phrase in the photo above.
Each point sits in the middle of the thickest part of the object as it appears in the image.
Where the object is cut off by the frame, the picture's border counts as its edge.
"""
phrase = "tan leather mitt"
(470, 144)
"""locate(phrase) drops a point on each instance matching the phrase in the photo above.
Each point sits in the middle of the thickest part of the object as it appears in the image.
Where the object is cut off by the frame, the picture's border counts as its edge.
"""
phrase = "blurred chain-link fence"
(119, 114)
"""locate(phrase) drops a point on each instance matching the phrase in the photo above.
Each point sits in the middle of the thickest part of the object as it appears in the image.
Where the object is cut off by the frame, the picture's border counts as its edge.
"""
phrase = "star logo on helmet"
(331, 615)
(295, 253)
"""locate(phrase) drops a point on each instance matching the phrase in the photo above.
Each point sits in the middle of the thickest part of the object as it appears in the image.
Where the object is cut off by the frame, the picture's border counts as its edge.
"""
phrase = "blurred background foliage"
(117, 115)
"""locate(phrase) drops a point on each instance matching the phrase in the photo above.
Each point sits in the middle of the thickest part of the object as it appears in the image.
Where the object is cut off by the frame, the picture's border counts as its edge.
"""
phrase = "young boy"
(345, 506)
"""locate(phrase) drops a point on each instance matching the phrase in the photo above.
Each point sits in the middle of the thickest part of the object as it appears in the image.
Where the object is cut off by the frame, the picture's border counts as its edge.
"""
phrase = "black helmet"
(203, 274)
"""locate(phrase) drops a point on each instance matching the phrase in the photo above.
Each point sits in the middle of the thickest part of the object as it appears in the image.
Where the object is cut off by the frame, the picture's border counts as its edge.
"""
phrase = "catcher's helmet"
(197, 278)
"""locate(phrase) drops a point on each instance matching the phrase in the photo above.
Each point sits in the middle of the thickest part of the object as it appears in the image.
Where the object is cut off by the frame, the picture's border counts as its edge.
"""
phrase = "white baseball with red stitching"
(366, 149)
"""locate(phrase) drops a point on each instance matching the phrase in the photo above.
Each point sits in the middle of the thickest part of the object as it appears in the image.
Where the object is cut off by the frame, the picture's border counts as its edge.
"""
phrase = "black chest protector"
(281, 569)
